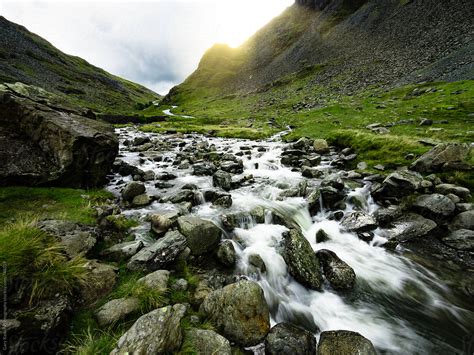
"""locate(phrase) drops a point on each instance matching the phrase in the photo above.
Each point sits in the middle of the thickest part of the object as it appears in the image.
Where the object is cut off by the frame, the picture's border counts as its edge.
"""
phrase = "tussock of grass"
(37, 260)
(91, 342)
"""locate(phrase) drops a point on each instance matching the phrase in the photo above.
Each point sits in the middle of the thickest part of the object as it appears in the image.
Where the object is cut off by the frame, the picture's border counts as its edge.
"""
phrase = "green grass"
(37, 260)
(342, 119)
(50, 203)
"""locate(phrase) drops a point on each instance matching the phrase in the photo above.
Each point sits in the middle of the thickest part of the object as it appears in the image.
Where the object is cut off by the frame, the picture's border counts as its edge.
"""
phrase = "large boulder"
(239, 311)
(116, 310)
(207, 342)
(443, 157)
(157, 332)
(41, 144)
(339, 274)
(132, 190)
(446, 189)
(202, 235)
(343, 342)
(321, 146)
(288, 339)
(157, 280)
(226, 253)
(434, 206)
(101, 281)
(76, 239)
(303, 264)
(159, 254)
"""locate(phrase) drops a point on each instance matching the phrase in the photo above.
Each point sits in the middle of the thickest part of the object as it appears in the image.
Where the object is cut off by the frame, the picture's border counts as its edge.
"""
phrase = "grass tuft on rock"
(37, 260)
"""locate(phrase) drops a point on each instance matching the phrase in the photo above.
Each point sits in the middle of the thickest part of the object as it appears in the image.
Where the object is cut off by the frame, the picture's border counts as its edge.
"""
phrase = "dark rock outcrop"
(44, 145)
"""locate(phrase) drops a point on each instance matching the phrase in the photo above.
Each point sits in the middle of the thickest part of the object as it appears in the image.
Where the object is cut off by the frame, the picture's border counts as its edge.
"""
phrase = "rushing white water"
(396, 303)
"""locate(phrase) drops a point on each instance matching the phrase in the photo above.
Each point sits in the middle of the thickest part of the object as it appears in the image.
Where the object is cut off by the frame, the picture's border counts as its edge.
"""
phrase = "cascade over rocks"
(239, 311)
(42, 145)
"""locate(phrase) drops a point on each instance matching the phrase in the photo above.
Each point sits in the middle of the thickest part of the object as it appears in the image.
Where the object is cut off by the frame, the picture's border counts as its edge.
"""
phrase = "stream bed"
(402, 307)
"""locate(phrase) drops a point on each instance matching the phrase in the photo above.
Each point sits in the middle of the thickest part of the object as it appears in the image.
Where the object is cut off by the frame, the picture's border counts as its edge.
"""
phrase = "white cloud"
(154, 42)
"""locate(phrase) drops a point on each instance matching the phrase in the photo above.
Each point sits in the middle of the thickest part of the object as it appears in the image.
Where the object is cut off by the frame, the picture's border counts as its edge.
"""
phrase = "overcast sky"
(157, 43)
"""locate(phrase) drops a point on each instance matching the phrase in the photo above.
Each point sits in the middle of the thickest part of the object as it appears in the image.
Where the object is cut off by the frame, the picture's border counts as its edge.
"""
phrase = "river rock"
(141, 200)
(461, 239)
(223, 180)
(446, 189)
(183, 196)
(434, 206)
(42, 144)
(239, 311)
(464, 220)
(464, 207)
(443, 157)
(101, 281)
(257, 261)
(322, 236)
(399, 184)
(202, 236)
(116, 310)
(132, 190)
(411, 226)
(157, 280)
(205, 341)
(226, 253)
(159, 254)
(41, 329)
(223, 201)
(157, 332)
(384, 216)
(122, 251)
(289, 339)
(343, 342)
(321, 146)
(358, 222)
(76, 239)
(234, 167)
(161, 223)
(204, 169)
(302, 262)
(339, 274)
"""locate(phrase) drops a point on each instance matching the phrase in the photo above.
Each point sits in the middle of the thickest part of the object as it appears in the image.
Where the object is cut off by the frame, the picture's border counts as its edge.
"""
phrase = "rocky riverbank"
(274, 247)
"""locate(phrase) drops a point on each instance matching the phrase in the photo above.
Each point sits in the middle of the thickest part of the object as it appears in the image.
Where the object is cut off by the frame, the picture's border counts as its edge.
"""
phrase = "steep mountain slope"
(28, 58)
(344, 46)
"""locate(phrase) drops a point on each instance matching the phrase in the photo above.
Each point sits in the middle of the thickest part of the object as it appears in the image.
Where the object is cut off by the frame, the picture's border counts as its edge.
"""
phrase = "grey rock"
(339, 274)
(434, 206)
(226, 253)
(411, 226)
(321, 146)
(358, 222)
(302, 262)
(159, 254)
(141, 200)
(116, 310)
(76, 239)
(157, 280)
(399, 184)
(462, 239)
(443, 157)
(202, 236)
(132, 190)
(161, 223)
(101, 281)
(446, 189)
(122, 251)
(223, 201)
(44, 144)
(204, 169)
(464, 220)
(183, 196)
(344, 342)
(180, 285)
(289, 339)
(239, 311)
(223, 180)
(257, 261)
(463, 207)
(157, 332)
(311, 173)
(207, 342)
(385, 216)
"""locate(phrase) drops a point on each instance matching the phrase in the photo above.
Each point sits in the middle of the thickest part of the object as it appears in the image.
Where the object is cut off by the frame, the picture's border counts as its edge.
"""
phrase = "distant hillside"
(28, 58)
(343, 46)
